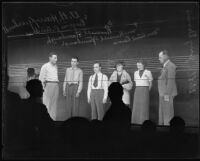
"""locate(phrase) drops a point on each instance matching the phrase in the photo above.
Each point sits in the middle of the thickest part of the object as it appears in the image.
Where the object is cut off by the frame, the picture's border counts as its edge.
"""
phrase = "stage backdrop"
(106, 33)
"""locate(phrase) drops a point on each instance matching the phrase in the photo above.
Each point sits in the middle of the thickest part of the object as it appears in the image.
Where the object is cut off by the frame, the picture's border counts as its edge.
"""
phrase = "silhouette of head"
(148, 126)
(35, 88)
(177, 125)
(115, 92)
(30, 72)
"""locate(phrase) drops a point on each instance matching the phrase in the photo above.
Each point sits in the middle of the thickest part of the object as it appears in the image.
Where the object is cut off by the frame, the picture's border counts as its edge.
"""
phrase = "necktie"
(141, 72)
(95, 81)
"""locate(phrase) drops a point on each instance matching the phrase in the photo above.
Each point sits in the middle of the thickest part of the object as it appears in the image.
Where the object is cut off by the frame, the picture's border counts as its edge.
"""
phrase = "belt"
(72, 84)
(51, 82)
(98, 89)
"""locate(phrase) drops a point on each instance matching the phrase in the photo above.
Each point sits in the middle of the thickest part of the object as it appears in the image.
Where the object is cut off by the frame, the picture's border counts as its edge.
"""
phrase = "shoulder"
(80, 70)
(125, 72)
(136, 72)
(171, 65)
(45, 65)
(147, 71)
(114, 72)
(104, 75)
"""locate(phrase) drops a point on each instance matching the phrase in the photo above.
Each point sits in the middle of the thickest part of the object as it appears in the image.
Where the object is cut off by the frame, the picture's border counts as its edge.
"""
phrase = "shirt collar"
(165, 63)
(98, 73)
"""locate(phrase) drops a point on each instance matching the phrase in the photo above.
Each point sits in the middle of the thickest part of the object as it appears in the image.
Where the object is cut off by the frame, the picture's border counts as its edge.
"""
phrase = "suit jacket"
(167, 80)
(127, 87)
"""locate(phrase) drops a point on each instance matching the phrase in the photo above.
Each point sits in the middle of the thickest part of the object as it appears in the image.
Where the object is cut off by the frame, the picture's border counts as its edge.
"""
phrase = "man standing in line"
(97, 92)
(49, 78)
(72, 86)
(167, 88)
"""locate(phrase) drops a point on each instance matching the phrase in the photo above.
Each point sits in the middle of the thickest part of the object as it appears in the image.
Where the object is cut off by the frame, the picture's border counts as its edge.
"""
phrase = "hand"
(64, 93)
(166, 97)
(89, 100)
(104, 100)
(77, 94)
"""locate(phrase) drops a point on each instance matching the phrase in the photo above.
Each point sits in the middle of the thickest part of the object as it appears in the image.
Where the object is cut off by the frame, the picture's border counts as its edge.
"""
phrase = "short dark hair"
(119, 63)
(99, 64)
(165, 52)
(52, 53)
(75, 57)
(142, 61)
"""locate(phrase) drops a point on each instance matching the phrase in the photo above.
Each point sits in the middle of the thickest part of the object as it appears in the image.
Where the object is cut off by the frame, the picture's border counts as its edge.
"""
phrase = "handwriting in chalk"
(191, 34)
(69, 19)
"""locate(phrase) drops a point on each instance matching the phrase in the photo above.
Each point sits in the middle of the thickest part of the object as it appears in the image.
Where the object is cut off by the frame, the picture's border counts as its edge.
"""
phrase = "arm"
(105, 87)
(150, 77)
(80, 87)
(42, 76)
(89, 89)
(65, 82)
(129, 85)
(171, 79)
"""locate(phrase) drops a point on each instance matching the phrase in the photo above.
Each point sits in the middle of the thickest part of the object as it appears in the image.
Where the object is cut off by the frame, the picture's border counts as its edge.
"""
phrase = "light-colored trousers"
(166, 110)
(71, 100)
(50, 98)
(97, 105)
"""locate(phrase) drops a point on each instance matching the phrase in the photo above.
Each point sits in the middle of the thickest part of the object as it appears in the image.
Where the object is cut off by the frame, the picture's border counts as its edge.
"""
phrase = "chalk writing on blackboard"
(191, 34)
(88, 36)
(61, 18)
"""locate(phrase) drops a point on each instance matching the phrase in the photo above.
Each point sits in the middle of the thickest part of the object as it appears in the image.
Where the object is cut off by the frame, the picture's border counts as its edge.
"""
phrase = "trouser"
(71, 99)
(50, 98)
(166, 110)
(97, 105)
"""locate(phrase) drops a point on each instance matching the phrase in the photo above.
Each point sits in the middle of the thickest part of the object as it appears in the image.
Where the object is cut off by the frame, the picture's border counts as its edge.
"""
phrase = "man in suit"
(167, 88)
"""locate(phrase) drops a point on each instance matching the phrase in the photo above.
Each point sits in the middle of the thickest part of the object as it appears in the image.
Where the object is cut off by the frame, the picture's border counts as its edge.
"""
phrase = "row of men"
(98, 83)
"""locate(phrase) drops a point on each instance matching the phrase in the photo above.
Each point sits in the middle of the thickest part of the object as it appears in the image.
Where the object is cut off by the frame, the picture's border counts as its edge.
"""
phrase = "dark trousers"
(71, 99)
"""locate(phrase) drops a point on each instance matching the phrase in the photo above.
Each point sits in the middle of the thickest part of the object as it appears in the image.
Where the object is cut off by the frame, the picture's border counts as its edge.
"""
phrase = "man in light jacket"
(167, 88)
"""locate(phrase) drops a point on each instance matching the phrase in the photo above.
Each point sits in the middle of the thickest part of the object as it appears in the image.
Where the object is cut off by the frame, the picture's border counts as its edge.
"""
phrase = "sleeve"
(171, 74)
(129, 85)
(105, 86)
(42, 76)
(134, 76)
(89, 87)
(150, 77)
(65, 80)
(80, 87)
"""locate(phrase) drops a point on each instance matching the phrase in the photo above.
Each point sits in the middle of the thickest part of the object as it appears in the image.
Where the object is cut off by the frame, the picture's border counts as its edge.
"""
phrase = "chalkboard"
(105, 33)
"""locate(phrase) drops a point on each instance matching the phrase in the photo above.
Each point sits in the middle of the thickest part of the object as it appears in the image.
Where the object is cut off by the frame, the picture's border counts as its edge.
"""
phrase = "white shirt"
(102, 84)
(48, 72)
(144, 80)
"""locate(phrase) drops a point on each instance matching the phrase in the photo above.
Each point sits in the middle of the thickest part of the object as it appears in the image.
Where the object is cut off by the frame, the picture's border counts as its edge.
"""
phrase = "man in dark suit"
(167, 88)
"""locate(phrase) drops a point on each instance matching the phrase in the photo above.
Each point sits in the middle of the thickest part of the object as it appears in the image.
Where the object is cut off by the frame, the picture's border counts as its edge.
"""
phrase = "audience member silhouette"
(177, 125)
(76, 134)
(117, 120)
(96, 136)
(147, 143)
(10, 116)
(35, 122)
(175, 143)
